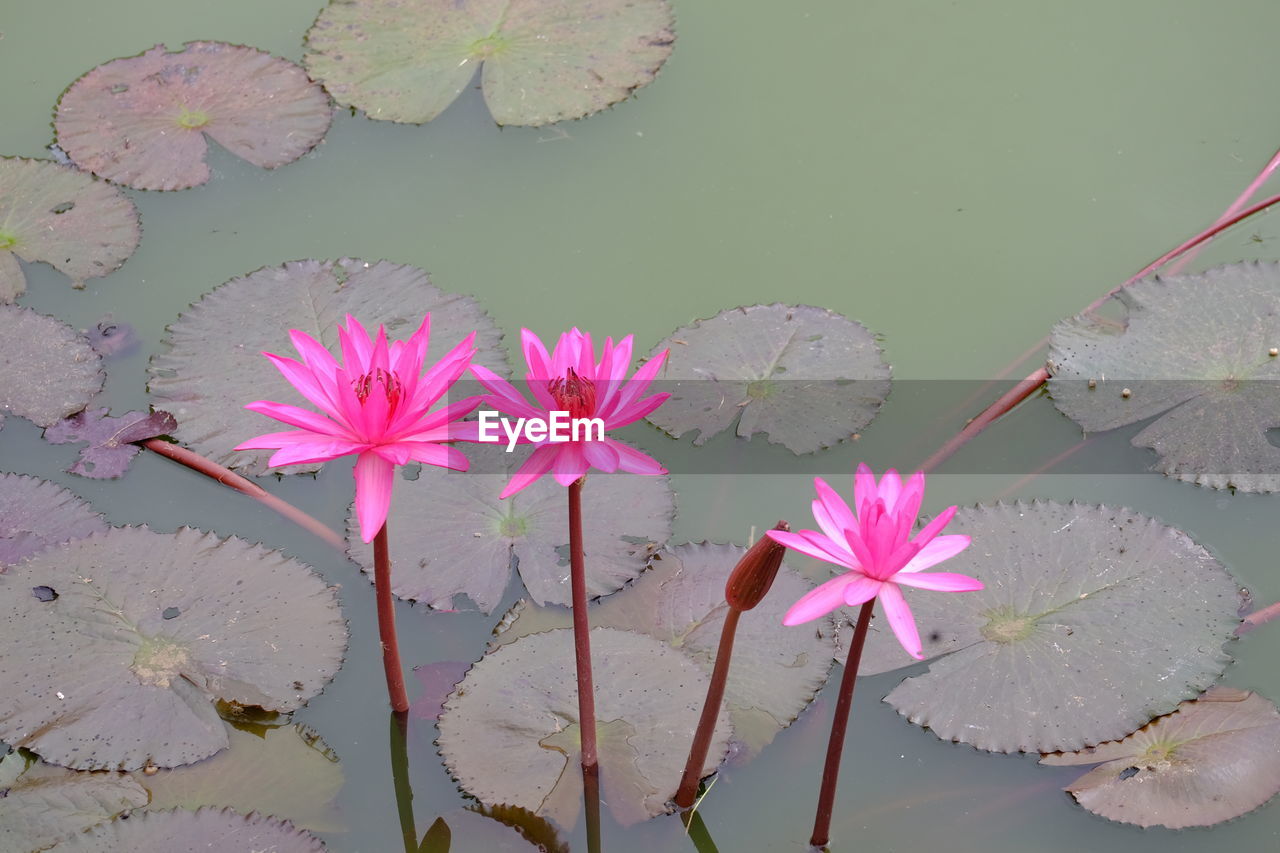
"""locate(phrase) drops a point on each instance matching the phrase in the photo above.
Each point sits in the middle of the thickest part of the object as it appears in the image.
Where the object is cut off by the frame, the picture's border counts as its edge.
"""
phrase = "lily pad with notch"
(119, 686)
(775, 671)
(453, 536)
(141, 121)
(1198, 354)
(806, 377)
(469, 829)
(111, 441)
(205, 381)
(47, 371)
(510, 732)
(35, 514)
(204, 831)
(63, 217)
(542, 62)
(1212, 759)
(1094, 620)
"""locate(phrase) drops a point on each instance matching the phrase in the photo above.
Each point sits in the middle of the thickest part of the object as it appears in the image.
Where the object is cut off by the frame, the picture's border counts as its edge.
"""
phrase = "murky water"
(958, 177)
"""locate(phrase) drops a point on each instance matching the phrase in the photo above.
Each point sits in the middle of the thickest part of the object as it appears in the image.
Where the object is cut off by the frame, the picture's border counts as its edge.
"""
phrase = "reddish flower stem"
(1240, 202)
(1007, 401)
(581, 631)
(387, 623)
(226, 477)
(688, 789)
(839, 723)
(1258, 617)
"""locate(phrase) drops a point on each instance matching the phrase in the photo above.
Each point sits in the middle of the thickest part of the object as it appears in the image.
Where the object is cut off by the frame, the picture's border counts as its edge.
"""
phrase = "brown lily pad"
(35, 514)
(47, 371)
(111, 441)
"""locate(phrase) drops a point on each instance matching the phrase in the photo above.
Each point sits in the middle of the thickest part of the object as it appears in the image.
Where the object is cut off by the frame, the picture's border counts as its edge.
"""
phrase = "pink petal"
(640, 382)
(939, 581)
(538, 463)
(933, 528)
(633, 412)
(440, 455)
(307, 453)
(289, 438)
(819, 601)
(861, 590)
(374, 479)
(830, 511)
(890, 489)
(813, 544)
(901, 620)
(535, 355)
(569, 465)
(310, 385)
(440, 376)
(357, 352)
(865, 491)
(301, 418)
(314, 354)
(859, 549)
(505, 398)
(634, 461)
(942, 548)
(600, 455)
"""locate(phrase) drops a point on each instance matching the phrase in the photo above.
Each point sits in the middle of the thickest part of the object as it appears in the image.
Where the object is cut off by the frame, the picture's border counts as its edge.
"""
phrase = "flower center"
(573, 394)
(387, 380)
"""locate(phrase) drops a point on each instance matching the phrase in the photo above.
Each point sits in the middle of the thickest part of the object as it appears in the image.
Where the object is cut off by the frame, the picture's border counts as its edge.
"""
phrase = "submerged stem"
(688, 789)
(400, 780)
(581, 629)
(387, 623)
(839, 723)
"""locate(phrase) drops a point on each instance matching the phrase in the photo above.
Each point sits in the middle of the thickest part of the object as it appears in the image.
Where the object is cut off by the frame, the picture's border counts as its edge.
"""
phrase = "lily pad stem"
(387, 623)
(581, 629)
(839, 723)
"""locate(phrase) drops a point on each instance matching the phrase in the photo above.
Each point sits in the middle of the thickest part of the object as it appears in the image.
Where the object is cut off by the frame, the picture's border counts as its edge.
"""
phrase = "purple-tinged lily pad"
(510, 733)
(1212, 759)
(437, 680)
(806, 377)
(56, 214)
(205, 831)
(543, 61)
(41, 804)
(35, 514)
(99, 678)
(47, 371)
(454, 536)
(775, 671)
(1093, 621)
(1198, 353)
(113, 339)
(111, 446)
(214, 363)
(142, 121)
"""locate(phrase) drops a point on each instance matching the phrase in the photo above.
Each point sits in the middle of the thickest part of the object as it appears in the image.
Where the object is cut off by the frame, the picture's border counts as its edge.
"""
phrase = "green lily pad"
(454, 536)
(47, 371)
(775, 671)
(205, 831)
(142, 121)
(1211, 760)
(287, 772)
(41, 804)
(806, 377)
(543, 61)
(35, 514)
(114, 648)
(1196, 354)
(510, 733)
(214, 363)
(56, 214)
(1093, 621)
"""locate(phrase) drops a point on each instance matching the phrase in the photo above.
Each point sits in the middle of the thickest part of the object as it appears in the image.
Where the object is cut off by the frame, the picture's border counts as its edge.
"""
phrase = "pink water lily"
(570, 379)
(877, 548)
(376, 403)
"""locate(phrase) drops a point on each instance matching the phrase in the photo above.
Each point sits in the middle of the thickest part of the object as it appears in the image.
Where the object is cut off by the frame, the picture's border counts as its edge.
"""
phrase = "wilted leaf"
(1213, 759)
(453, 535)
(205, 831)
(543, 61)
(111, 446)
(43, 804)
(47, 371)
(1199, 353)
(510, 733)
(141, 121)
(806, 377)
(99, 677)
(35, 514)
(214, 363)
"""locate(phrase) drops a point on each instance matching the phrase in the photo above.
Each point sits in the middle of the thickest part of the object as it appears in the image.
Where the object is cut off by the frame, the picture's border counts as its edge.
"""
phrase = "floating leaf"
(141, 121)
(510, 733)
(81, 227)
(35, 514)
(117, 684)
(1198, 352)
(469, 831)
(287, 772)
(543, 61)
(1211, 760)
(111, 446)
(437, 680)
(42, 804)
(806, 377)
(1093, 621)
(214, 364)
(453, 535)
(205, 831)
(774, 672)
(47, 371)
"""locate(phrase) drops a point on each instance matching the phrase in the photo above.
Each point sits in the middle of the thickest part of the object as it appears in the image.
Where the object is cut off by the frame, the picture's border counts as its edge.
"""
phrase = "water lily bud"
(754, 574)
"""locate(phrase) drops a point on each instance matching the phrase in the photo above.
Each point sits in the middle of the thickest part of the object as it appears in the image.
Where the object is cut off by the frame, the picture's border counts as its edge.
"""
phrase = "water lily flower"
(376, 403)
(569, 379)
(877, 548)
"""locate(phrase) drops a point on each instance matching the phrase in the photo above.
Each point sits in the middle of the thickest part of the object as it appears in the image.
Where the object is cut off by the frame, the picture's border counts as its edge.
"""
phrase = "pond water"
(958, 177)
